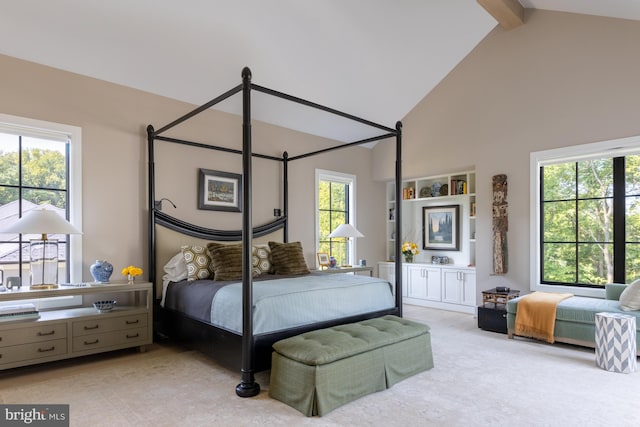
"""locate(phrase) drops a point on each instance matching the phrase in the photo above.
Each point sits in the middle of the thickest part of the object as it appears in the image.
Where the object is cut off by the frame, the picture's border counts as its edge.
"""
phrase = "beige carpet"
(480, 378)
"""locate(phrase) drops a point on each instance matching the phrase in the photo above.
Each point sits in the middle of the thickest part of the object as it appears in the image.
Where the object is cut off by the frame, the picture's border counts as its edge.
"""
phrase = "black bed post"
(285, 195)
(152, 212)
(247, 387)
(398, 242)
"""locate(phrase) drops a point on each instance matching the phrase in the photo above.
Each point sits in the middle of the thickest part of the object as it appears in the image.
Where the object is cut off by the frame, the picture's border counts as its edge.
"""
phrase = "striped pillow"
(226, 261)
(288, 258)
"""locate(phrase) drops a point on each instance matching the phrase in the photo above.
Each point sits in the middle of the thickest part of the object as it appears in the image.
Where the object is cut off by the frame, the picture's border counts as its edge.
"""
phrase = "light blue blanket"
(285, 303)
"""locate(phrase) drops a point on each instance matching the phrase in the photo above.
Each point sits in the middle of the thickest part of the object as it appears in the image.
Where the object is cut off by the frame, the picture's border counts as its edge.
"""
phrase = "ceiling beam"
(508, 13)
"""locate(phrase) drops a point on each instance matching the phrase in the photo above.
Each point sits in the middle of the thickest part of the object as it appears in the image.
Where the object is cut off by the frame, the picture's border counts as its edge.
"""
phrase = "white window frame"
(350, 180)
(44, 129)
(612, 148)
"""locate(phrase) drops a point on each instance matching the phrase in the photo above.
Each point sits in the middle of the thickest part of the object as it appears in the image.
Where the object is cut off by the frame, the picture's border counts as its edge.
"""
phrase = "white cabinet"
(459, 286)
(387, 271)
(67, 332)
(423, 282)
(439, 286)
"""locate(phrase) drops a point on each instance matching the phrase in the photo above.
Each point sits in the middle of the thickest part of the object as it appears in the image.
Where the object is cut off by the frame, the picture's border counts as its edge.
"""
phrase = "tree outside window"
(590, 221)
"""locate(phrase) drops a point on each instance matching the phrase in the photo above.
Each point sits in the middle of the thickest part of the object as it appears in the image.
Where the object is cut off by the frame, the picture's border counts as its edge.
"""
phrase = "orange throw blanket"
(536, 315)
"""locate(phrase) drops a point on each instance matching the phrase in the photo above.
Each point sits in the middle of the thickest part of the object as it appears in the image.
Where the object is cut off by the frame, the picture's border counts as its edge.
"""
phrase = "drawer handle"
(132, 322)
(44, 350)
(88, 328)
(133, 336)
(44, 334)
(92, 342)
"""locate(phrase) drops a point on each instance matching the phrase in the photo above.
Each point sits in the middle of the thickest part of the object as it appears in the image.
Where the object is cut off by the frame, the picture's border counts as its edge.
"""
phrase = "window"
(39, 163)
(335, 193)
(587, 216)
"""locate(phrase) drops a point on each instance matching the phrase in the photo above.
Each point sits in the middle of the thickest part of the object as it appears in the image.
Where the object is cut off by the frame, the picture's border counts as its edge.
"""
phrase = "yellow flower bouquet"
(131, 272)
(409, 249)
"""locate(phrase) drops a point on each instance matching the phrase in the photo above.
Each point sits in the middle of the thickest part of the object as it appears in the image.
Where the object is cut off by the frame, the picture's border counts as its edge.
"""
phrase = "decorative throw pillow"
(630, 297)
(261, 260)
(198, 262)
(226, 260)
(288, 258)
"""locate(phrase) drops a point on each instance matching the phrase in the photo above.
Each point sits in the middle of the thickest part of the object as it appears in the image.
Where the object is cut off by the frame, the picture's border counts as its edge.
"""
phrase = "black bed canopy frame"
(248, 387)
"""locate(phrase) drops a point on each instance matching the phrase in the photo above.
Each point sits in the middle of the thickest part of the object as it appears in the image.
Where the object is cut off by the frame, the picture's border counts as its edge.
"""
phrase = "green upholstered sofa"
(575, 317)
(318, 371)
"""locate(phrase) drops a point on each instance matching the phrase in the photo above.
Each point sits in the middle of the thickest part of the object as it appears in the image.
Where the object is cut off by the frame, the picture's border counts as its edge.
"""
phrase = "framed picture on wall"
(440, 228)
(219, 191)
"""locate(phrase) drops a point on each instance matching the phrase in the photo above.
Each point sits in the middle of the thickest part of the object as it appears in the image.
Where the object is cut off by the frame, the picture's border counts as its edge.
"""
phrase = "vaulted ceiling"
(375, 59)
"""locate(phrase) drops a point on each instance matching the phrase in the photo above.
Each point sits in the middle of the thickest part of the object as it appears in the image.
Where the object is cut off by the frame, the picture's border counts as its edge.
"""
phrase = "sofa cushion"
(630, 297)
(580, 309)
(614, 290)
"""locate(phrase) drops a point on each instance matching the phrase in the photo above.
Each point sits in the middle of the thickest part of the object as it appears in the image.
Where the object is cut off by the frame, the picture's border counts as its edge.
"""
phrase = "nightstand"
(492, 315)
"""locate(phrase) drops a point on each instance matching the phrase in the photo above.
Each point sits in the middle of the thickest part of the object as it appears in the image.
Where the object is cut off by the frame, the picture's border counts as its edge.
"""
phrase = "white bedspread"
(285, 303)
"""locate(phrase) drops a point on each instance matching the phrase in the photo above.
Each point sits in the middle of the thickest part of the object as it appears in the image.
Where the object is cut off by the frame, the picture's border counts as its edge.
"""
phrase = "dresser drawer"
(108, 339)
(33, 334)
(100, 325)
(33, 351)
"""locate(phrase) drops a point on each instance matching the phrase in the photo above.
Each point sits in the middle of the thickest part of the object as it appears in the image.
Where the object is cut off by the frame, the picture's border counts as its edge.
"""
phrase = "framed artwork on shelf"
(440, 228)
(219, 191)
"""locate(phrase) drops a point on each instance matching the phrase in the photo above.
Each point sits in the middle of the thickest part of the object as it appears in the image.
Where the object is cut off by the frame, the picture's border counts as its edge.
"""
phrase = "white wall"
(559, 80)
(114, 120)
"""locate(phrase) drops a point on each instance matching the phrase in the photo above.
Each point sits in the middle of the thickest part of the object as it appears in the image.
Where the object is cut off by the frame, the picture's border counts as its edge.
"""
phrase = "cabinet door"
(434, 283)
(469, 288)
(459, 287)
(451, 286)
(416, 282)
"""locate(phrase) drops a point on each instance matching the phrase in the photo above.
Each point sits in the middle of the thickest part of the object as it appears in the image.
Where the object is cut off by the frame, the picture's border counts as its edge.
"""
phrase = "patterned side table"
(616, 342)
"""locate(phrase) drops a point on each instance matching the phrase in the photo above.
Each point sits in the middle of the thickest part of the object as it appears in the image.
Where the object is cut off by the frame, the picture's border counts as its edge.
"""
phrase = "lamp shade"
(346, 230)
(41, 221)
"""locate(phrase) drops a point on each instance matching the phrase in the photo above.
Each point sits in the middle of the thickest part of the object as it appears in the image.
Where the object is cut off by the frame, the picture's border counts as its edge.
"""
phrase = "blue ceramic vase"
(101, 271)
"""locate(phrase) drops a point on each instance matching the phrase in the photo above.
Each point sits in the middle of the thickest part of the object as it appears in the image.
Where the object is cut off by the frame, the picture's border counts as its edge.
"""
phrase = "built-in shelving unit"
(457, 188)
(452, 285)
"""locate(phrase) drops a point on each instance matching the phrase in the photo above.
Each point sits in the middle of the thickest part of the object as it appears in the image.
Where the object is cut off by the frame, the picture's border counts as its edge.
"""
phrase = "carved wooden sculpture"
(500, 224)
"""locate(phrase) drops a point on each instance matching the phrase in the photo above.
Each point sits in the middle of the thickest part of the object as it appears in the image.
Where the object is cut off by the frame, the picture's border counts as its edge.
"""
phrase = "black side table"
(492, 314)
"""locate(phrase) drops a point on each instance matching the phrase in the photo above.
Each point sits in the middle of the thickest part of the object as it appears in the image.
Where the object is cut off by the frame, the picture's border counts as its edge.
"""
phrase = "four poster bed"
(245, 331)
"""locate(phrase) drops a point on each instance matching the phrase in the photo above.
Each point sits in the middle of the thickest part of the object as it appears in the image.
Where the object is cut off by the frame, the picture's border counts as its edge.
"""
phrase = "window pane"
(632, 172)
(9, 258)
(39, 197)
(595, 220)
(43, 163)
(323, 195)
(632, 222)
(8, 159)
(324, 229)
(559, 222)
(338, 194)
(559, 262)
(632, 262)
(595, 178)
(595, 264)
(337, 218)
(559, 182)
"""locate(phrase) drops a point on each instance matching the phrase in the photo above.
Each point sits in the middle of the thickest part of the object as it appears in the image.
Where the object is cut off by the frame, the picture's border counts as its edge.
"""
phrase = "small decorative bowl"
(104, 306)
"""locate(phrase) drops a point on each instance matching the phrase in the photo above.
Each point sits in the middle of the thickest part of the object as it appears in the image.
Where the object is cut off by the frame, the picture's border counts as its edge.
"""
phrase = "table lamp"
(43, 252)
(347, 231)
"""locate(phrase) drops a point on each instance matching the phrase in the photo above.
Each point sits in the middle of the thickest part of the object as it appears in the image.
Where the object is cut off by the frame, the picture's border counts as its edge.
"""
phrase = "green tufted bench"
(318, 371)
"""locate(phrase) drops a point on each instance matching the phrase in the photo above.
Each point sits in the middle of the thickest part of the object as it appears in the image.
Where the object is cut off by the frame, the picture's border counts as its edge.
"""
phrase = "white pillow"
(630, 297)
(176, 268)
